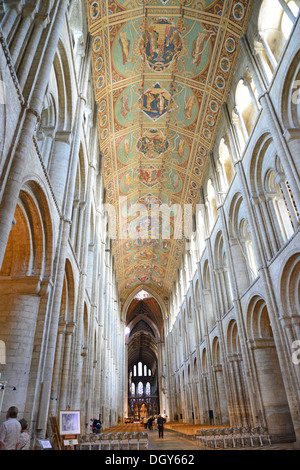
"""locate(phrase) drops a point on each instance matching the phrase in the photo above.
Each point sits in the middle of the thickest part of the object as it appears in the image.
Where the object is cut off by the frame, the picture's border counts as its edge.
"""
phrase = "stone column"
(239, 395)
(223, 417)
(223, 180)
(194, 319)
(28, 14)
(242, 124)
(220, 290)
(223, 289)
(240, 139)
(82, 223)
(66, 367)
(275, 406)
(57, 367)
(264, 227)
(287, 10)
(265, 200)
(266, 66)
(74, 228)
(247, 82)
(59, 165)
(231, 138)
(254, 69)
(281, 180)
(291, 327)
(126, 380)
(292, 138)
(161, 377)
(12, 9)
(48, 134)
(19, 307)
(190, 402)
(100, 377)
(206, 396)
(268, 52)
(31, 114)
(40, 23)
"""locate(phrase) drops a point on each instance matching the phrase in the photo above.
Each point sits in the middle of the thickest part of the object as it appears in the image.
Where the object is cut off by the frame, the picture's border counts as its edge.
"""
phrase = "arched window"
(245, 106)
(148, 388)
(222, 275)
(280, 204)
(140, 369)
(207, 292)
(211, 204)
(287, 22)
(140, 388)
(200, 233)
(228, 288)
(47, 125)
(246, 241)
(240, 133)
(132, 389)
(134, 371)
(275, 22)
(226, 165)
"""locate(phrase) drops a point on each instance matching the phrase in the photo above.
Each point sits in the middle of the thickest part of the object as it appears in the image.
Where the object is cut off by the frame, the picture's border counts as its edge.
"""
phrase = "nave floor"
(178, 437)
(170, 441)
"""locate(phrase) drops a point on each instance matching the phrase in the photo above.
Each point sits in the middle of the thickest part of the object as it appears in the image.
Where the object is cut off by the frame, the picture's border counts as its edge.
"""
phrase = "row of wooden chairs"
(233, 437)
(116, 441)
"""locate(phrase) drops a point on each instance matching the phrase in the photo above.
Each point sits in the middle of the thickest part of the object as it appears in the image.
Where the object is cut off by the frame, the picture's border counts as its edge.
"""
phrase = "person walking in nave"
(160, 424)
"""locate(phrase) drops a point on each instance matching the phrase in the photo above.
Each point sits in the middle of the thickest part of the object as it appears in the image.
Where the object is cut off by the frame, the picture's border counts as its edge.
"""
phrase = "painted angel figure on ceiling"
(124, 106)
(199, 45)
(189, 102)
(125, 45)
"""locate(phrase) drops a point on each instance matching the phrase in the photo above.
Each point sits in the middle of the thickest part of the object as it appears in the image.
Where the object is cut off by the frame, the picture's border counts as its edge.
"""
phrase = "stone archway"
(24, 289)
(144, 357)
(275, 413)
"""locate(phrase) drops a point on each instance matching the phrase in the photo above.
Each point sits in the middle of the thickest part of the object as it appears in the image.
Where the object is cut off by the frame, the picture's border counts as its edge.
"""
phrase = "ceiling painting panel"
(162, 69)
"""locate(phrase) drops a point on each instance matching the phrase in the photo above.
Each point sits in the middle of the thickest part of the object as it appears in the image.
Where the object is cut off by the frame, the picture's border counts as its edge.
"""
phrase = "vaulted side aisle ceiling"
(162, 70)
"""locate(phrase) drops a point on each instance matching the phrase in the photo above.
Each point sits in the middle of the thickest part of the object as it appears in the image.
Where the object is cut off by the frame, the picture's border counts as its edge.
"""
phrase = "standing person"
(150, 420)
(97, 426)
(10, 430)
(24, 443)
(145, 422)
(160, 424)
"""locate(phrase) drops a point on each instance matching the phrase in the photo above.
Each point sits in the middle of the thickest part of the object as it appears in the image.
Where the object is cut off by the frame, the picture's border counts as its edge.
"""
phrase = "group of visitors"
(157, 421)
(13, 433)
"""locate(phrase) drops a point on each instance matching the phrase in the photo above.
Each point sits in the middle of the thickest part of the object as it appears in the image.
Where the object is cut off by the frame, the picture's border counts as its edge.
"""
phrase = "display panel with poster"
(69, 423)
(45, 444)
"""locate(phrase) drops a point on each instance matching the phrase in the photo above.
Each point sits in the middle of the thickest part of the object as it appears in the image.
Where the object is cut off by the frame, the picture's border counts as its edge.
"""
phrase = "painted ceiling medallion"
(150, 176)
(156, 102)
(162, 69)
(161, 43)
(153, 143)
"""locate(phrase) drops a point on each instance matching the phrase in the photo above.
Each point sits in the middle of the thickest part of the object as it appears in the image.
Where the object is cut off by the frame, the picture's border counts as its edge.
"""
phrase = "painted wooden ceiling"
(162, 69)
